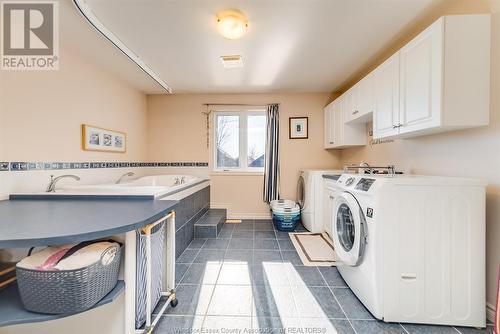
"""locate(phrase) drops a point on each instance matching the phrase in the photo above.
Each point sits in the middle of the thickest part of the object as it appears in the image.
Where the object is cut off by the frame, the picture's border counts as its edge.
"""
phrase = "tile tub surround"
(245, 280)
(188, 211)
(17, 166)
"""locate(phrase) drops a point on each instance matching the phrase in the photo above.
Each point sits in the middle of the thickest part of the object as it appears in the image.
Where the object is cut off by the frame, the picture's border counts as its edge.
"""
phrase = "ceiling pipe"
(89, 16)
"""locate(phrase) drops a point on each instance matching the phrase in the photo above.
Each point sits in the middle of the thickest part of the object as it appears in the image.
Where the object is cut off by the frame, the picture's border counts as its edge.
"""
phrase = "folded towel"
(41, 260)
(102, 251)
(70, 257)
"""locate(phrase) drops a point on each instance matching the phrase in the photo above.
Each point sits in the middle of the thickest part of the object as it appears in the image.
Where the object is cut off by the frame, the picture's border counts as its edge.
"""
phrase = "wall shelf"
(12, 311)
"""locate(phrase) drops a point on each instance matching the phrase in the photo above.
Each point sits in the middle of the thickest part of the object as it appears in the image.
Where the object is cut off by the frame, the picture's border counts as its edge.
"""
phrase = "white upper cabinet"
(386, 98)
(329, 126)
(338, 133)
(365, 100)
(350, 103)
(440, 81)
(421, 73)
(360, 106)
(444, 80)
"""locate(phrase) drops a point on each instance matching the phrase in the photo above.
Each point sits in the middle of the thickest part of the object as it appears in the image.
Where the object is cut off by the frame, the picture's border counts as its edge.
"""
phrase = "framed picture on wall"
(103, 140)
(298, 128)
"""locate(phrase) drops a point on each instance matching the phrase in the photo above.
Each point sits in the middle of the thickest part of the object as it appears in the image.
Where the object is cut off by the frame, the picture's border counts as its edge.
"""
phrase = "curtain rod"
(236, 104)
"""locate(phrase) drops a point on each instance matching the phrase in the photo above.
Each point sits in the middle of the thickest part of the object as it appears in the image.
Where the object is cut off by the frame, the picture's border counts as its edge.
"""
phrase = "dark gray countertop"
(27, 223)
(12, 311)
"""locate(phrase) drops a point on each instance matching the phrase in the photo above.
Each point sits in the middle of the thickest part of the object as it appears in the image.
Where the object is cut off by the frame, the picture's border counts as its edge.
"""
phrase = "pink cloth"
(53, 259)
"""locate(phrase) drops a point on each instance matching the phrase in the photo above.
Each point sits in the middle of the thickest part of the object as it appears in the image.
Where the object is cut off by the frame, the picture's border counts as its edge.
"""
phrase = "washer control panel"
(364, 184)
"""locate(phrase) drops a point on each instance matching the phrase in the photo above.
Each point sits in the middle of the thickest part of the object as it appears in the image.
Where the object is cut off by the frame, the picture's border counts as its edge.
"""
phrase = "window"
(239, 140)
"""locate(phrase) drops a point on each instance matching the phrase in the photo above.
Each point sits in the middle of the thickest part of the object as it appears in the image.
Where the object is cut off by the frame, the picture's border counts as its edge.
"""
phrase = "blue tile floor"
(251, 280)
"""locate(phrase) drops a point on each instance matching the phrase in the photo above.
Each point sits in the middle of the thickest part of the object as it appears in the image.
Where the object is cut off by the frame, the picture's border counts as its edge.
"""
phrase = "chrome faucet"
(368, 168)
(183, 180)
(177, 181)
(124, 175)
(53, 181)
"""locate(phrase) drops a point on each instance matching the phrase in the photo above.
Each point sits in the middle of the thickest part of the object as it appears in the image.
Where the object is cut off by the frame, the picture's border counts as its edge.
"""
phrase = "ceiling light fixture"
(231, 24)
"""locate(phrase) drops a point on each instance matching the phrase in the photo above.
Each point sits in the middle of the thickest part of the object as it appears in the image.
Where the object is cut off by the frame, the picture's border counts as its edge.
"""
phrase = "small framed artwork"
(103, 140)
(299, 128)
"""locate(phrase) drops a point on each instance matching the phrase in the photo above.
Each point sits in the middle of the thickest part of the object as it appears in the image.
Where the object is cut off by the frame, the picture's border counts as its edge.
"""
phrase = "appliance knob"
(349, 181)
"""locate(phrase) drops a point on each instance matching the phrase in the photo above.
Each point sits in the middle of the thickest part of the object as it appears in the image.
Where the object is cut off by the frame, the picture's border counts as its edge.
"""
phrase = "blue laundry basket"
(286, 215)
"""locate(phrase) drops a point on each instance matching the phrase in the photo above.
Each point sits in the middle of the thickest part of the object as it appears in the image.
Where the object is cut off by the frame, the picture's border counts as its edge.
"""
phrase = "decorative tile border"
(30, 166)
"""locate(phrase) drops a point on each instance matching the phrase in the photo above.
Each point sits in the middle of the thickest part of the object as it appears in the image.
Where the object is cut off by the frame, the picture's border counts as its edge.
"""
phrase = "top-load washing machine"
(412, 248)
(310, 197)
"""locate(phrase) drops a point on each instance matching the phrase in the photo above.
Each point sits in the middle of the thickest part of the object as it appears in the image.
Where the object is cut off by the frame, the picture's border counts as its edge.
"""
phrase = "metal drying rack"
(170, 291)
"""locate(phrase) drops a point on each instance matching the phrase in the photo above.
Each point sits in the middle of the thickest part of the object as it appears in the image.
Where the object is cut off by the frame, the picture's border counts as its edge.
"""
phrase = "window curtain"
(272, 165)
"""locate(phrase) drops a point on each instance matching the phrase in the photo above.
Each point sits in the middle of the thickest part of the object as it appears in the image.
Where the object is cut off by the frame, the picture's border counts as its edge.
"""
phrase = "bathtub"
(158, 186)
(163, 181)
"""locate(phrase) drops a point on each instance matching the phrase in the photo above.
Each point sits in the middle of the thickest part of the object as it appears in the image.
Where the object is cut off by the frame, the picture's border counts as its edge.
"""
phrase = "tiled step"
(210, 224)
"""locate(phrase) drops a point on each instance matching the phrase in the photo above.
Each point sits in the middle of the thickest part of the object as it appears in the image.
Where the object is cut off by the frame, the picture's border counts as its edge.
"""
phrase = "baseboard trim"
(239, 215)
(490, 312)
(231, 214)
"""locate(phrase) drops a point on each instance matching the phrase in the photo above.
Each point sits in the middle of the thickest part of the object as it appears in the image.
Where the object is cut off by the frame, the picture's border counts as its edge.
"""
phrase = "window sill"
(236, 173)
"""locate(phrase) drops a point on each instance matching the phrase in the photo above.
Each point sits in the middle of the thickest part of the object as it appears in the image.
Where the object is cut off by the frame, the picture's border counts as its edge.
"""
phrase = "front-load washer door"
(301, 191)
(349, 229)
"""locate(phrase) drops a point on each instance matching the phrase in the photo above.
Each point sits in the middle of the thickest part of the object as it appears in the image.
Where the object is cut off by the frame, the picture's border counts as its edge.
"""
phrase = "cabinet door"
(329, 126)
(350, 103)
(327, 210)
(365, 96)
(339, 123)
(386, 98)
(421, 78)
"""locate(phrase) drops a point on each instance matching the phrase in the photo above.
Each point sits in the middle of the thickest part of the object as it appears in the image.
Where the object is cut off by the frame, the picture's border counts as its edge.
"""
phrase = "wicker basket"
(67, 291)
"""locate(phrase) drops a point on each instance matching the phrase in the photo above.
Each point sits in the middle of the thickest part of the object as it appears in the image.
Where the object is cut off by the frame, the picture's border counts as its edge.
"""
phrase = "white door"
(349, 229)
(386, 98)
(329, 125)
(421, 78)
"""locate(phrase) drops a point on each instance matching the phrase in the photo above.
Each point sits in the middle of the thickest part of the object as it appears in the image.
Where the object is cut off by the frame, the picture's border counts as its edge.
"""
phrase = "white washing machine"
(412, 248)
(310, 197)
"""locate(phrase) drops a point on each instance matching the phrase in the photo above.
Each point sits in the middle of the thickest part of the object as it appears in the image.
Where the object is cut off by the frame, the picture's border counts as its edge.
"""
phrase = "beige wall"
(443, 7)
(471, 153)
(177, 132)
(41, 112)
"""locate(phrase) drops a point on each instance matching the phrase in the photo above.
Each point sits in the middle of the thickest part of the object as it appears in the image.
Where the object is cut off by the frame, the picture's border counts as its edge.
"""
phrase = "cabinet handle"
(331, 142)
(355, 112)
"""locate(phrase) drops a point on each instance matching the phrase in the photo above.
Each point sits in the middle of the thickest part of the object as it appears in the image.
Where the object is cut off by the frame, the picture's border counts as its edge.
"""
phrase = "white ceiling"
(290, 46)
(76, 35)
